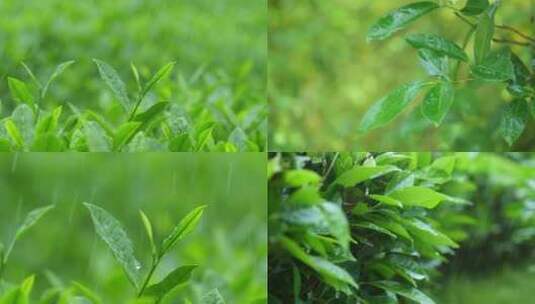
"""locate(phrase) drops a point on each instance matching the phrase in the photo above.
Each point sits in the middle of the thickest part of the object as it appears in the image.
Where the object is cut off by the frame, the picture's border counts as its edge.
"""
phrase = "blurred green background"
(230, 243)
(220, 48)
(323, 76)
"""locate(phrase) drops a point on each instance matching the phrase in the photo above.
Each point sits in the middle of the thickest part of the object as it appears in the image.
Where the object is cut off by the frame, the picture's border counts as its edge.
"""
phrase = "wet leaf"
(438, 101)
(438, 44)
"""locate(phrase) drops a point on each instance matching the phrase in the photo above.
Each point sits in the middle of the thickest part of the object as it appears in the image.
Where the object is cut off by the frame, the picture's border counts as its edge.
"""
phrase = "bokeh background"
(323, 76)
(230, 244)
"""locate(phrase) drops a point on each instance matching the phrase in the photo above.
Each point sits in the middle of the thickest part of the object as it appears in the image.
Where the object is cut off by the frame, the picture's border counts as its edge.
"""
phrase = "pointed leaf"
(96, 138)
(162, 72)
(31, 219)
(58, 71)
(20, 91)
(178, 276)
(125, 133)
(148, 230)
(410, 293)
(359, 174)
(484, 33)
(398, 19)
(184, 227)
(386, 109)
(440, 45)
(152, 112)
(475, 7)
(514, 120)
(114, 82)
(113, 234)
(497, 66)
(437, 102)
(418, 196)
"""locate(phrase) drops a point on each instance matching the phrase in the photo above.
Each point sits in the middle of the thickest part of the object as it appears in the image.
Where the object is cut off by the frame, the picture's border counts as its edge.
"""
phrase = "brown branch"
(519, 33)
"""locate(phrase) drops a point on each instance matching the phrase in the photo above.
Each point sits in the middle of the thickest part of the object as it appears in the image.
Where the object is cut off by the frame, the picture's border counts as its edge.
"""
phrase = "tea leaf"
(390, 106)
(475, 7)
(148, 230)
(184, 227)
(178, 276)
(437, 102)
(398, 19)
(114, 82)
(57, 72)
(438, 44)
(20, 91)
(514, 120)
(484, 33)
(162, 72)
(113, 234)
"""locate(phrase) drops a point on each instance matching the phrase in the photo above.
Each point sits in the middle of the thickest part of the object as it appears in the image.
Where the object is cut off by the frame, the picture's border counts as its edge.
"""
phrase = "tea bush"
(213, 99)
(383, 227)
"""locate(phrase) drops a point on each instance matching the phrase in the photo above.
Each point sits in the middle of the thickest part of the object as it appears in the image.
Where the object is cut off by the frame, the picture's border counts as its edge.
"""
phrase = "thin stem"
(155, 263)
(519, 33)
(509, 41)
(331, 165)
(136, 106)
(503, 27)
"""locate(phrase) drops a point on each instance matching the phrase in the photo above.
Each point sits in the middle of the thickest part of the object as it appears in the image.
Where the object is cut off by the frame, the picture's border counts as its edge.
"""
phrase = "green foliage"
(111, 232)
(74, 261)
(489, 65)
(327, 83)
(155, 126)
(380, 227)
(212, 99)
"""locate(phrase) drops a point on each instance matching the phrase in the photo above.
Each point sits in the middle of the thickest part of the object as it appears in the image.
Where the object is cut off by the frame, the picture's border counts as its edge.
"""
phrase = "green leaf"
(58, 71)
(519, 85)
(113, 234)
(163, 72)
(23, 118)
(96, 138)
(437, 102)
(399, 19)
(410, 293)
(359, 174)
(484, 33)
(387, 108)
(438, 44)
(514, 120)
(428, 234)
(114, 82)
(49, 122)
(323, 219)
(14, 133)
(238, 138)
(475, 7)
(20, 91)
(29, 221)
(497, 66)
(332, 274)
(301, 177)
(433, 63)
(125, 133)
(184, 227)
(178, 276)
(148, 230)
(418, 196)
(25, 290)
(152, 112)
(374, 227)
(387, 200)
(212, 297)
